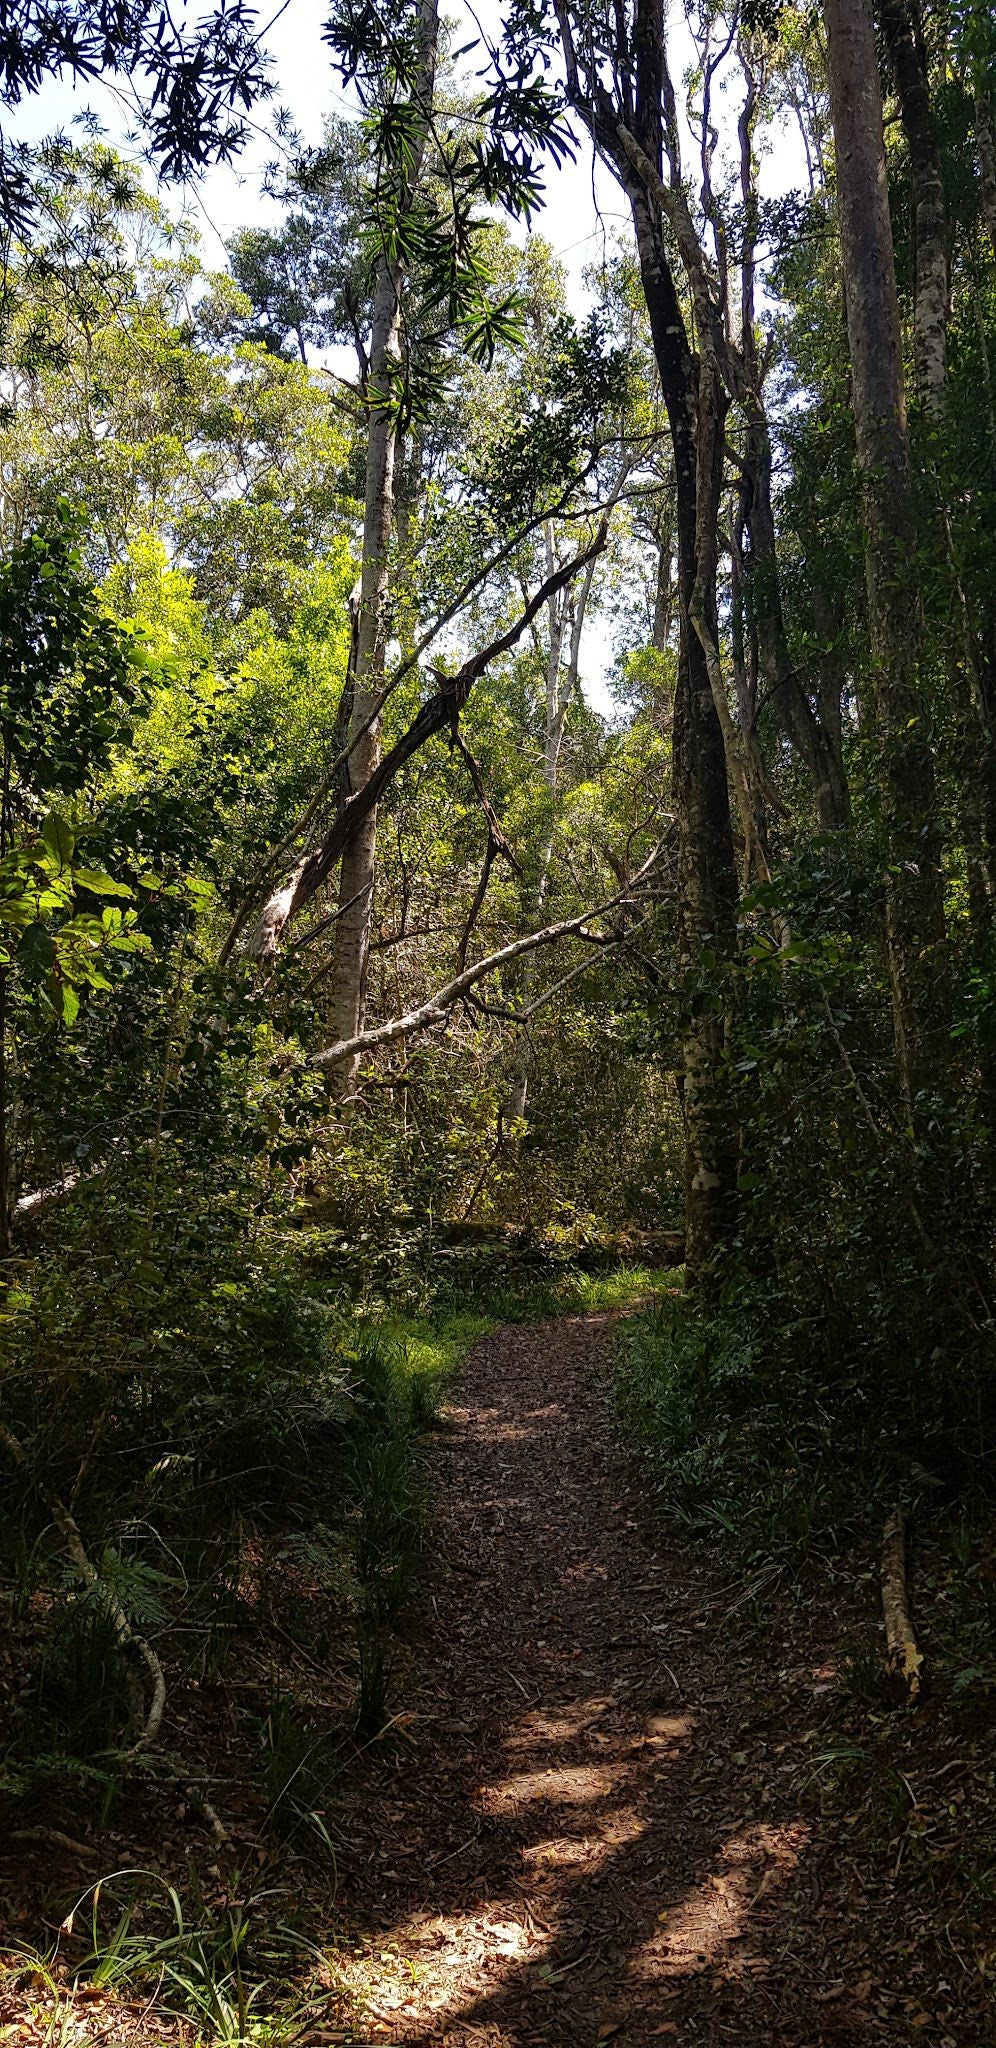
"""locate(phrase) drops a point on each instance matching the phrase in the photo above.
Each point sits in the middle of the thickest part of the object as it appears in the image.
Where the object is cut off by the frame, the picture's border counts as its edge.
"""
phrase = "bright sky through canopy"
(581, 215)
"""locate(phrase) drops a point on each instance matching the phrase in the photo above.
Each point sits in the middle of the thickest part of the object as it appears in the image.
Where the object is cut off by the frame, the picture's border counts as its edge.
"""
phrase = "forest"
(498, 1024)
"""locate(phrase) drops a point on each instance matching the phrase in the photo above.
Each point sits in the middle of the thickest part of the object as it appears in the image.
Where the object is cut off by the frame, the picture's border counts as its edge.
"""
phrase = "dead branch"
(436, 1009)
(41, 1199)
(440, 713)
(904, 1660)
(312, 810)
(478, 902)
(501, 844)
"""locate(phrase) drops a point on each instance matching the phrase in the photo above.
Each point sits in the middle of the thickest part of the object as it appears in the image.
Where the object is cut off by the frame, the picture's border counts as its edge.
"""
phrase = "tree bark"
(631, 126)
(706, 871)
(817, 748)
(984, 136)
(930, 303)
(915, 929)
(357, 875)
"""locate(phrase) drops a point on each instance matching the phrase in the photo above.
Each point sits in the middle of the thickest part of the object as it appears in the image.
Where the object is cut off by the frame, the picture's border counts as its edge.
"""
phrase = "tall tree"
(904, 35)
(632, 121)
(814, 738)
(915, 924)
(357, 873)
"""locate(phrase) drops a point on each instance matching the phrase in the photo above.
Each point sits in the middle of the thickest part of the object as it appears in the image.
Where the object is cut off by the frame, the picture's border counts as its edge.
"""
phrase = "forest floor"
(604, 1825)
(621, 1803)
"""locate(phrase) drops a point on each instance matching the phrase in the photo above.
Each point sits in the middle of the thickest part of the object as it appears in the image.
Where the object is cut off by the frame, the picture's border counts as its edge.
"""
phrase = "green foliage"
(74, 679)
(391, 1407)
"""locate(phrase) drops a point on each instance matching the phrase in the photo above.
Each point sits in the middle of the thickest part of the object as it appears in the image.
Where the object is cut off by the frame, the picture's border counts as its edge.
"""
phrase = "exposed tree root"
(56, 1837)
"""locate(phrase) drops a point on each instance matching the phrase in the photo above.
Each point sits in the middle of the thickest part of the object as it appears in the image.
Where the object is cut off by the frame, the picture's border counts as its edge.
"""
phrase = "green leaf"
(17, 910)
(36, 951)
(100, 884)
(68, 998)
(59, 838)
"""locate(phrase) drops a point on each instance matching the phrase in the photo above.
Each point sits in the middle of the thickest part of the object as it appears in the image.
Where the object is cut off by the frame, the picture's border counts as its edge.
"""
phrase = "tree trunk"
(357, 875)
(357, 872)
(630, 126)
(706, 871)
(984, 136)
(804, 731)
(664, 584)
(802, 726)
(831, 677)
(915, 929)
(558, 692)
(930, 303)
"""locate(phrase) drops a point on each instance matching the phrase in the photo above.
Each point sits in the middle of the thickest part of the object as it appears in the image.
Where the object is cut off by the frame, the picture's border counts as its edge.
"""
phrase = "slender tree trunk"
(630, 126)
(803, 729)
(706, 871)
(915, 928)
(831, 678)
(565, 610)
(357, 872)
(801, 725)
(357, 876)
(985, 130)
(557, 693)
(930, 302)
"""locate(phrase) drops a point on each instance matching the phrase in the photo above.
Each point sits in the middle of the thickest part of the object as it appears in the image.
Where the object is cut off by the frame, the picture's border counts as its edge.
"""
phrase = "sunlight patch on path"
(558, 1784)
(699, 1932)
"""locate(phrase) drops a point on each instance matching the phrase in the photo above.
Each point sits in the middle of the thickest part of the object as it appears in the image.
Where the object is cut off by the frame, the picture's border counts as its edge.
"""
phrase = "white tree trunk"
(357, 876)
(561, 684)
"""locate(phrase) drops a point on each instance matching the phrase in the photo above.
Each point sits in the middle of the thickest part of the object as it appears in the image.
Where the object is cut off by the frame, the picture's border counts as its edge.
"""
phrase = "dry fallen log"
(904, 1660)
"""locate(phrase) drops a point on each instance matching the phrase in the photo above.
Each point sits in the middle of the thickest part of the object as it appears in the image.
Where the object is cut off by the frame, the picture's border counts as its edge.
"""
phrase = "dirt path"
(595, 1829)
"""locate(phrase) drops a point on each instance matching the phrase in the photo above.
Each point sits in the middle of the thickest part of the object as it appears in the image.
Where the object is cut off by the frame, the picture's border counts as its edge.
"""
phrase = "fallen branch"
(440, 714)
(40, 1199)
(307, 820)
(57, 1839)
(129, 1641)
(435, 1010)
(904, 1660)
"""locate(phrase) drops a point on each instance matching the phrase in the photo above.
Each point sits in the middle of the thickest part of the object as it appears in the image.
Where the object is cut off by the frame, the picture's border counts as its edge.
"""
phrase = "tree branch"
(441, 712)
(435, 1010)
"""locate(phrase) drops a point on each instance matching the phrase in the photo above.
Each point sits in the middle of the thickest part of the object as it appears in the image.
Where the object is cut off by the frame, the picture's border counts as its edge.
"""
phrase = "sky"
(582, 209)
(229, 196)
(582, 203)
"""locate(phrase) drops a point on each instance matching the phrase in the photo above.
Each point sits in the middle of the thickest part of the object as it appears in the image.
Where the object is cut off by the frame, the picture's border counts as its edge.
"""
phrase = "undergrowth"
(791, 1471)
(746, 1433)
(238, 1440)
(231, 1970)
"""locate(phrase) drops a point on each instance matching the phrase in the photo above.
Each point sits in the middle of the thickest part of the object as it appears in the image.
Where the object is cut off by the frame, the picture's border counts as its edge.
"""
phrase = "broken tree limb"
(440, 714)
(438, 1006)
(904, 1660)
(298, 834)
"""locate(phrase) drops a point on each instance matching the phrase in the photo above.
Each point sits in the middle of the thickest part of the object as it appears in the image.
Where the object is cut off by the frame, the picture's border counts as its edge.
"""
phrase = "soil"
(630, 1794)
